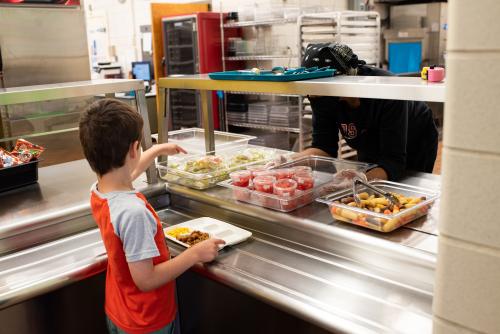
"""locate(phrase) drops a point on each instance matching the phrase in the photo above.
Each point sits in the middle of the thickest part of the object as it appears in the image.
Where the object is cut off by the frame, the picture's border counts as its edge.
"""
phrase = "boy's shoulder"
(124, 205)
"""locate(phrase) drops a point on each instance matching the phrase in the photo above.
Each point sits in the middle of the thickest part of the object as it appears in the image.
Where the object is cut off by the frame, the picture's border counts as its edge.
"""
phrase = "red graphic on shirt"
(349, 131)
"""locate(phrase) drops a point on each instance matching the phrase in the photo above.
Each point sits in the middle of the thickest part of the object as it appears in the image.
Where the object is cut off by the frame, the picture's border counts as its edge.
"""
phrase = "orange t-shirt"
(132, 231)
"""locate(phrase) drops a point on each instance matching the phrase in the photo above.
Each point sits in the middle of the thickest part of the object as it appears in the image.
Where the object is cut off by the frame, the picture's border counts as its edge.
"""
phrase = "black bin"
(18, 176)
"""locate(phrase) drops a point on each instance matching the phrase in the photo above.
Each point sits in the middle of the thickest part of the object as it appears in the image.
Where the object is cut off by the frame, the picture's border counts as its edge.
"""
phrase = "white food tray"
(215, 228)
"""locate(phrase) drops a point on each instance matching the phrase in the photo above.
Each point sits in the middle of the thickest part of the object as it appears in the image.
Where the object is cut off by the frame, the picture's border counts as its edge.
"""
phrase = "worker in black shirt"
(395, 135)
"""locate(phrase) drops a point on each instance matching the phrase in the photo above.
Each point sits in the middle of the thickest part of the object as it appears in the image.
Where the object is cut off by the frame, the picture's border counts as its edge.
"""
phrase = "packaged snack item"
(7, 159)
(26, 151)
(264, 184)
(240, 178)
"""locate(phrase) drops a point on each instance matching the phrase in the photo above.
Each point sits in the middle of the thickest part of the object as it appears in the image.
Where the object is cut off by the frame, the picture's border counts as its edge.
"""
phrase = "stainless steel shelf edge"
(259, 23)
(27, 94)
(396, 88)
(264, 127)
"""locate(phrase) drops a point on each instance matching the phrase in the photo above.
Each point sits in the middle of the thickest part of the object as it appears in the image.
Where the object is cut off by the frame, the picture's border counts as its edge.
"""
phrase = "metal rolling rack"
(262, 23)
(359, 29)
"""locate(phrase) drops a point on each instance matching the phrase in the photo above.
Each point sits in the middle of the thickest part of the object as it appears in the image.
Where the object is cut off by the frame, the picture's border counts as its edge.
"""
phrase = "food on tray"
(379, 205)
(207, 164)
(206, 171)
(285, 187)
(264, 184)
(178, 231)
(240, 178)
(249, 155)
(193, 238)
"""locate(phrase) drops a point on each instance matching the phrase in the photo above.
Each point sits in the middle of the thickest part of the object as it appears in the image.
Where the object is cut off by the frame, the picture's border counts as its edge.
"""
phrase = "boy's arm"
(149, 156)
(148, 277)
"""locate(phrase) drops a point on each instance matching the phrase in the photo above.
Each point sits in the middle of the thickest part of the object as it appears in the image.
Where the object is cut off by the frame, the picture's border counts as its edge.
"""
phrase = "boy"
(140, 274)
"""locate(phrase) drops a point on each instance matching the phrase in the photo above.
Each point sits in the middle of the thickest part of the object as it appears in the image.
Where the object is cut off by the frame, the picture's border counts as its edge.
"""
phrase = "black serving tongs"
(357, 181)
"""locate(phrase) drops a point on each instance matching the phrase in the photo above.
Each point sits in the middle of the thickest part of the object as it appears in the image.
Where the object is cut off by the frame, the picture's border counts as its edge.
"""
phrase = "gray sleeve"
(136, 228)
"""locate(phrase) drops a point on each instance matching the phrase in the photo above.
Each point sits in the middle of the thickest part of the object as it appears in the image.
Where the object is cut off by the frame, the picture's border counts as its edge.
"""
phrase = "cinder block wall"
(467, 291)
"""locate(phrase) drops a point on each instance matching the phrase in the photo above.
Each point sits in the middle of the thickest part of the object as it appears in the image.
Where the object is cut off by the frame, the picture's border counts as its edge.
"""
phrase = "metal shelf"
(264, 127)
(263, 57)
(268, 94)
(259, 23)
(393, 88)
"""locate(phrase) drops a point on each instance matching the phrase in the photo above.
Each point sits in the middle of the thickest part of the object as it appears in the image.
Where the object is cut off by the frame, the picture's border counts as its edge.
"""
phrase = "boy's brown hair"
(107, 129)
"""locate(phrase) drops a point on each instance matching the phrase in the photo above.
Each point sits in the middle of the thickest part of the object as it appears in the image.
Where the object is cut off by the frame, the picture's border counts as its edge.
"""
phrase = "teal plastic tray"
(270, 76)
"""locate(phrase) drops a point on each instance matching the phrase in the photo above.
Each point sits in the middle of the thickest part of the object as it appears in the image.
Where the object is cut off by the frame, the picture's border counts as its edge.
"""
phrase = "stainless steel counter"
(39, 211)
(342, 278)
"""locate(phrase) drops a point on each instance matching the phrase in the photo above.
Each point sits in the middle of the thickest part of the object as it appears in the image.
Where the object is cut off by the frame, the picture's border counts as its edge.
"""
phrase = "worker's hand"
(280, 159)
(207, 250)
(343, 178)
(169, 149)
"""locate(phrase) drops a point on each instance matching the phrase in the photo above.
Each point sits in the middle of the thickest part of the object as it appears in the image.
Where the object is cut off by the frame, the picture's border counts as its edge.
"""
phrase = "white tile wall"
(469, 197)
(467, 290)
(473, 85)
(474, 24)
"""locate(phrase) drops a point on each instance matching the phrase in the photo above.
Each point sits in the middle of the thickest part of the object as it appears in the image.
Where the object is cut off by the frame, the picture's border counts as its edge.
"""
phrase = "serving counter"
(334, 276)
(300, 272)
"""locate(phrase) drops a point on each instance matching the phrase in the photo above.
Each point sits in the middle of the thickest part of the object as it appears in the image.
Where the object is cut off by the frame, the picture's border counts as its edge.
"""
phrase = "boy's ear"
(134, 149)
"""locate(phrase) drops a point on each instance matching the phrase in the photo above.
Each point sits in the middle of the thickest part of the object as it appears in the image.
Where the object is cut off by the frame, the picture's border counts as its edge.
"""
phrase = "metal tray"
(215, 228)
(174, 170)
(323, 170)
(380, 221)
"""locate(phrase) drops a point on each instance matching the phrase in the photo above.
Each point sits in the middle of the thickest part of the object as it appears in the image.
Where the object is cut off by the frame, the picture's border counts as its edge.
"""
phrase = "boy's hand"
(169, 149)
(207, 250)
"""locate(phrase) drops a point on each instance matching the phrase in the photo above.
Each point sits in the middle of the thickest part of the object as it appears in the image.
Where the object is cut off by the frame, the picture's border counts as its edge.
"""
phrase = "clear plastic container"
(193, 139)
(305, 180)
(204, 171)
(285, 187)
(264, 183)
(382, 222)
(241, 178)
(322, 171)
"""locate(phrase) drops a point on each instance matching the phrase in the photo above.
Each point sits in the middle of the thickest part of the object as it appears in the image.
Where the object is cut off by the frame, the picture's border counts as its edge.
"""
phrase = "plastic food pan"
(204, 171)
(380, 221)
(322, 169)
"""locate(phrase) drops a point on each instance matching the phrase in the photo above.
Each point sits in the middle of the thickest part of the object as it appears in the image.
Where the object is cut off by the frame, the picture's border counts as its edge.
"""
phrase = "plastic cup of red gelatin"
(302, 169)
(304, 180)
(265, 172)
(264, 183)
(240, 178)
(255, 169)
(284, 173)
(285, 187)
